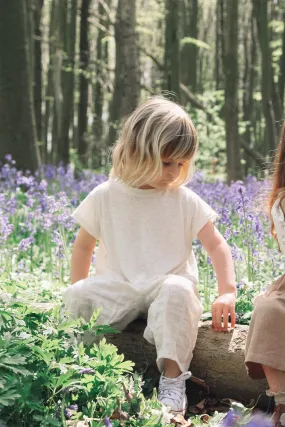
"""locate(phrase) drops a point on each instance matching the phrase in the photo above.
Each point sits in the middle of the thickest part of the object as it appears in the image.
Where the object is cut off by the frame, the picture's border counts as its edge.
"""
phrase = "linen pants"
(265, 344)
(171, 304)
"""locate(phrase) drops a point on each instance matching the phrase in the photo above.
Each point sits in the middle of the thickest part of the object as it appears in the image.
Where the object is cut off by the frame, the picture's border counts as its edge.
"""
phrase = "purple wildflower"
(86, 371)
(107, 422)
(68, 412)
(25, 244)
(229, 419)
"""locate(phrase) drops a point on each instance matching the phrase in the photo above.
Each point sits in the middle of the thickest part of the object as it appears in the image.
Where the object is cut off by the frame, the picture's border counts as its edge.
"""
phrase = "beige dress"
(266, 336)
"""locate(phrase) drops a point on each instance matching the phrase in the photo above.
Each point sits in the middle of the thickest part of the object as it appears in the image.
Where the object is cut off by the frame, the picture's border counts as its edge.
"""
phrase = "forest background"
(71, 70)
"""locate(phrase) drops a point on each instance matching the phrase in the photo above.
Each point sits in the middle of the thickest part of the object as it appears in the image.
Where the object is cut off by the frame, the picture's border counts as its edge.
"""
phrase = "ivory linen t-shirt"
(144, 233)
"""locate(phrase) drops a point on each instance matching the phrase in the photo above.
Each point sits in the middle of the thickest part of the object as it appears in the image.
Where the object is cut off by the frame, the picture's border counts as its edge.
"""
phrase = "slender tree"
(127, 76)
(230, 60)
(17, 119)
(261, 15)
(67, 82)
(84, 81)
(101, 63)
(38, 6)
(50, 90)
(217, 70)
(249, 76)
(281, 80)
(189, 51)
(172, 47)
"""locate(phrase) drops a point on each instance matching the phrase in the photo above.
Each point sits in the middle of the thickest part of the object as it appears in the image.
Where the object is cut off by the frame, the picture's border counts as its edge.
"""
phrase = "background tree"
(84, 81)
(17, 118)
(127, 75)
(63, 149)
(230, 59)
(91, 62)
(172, 47)
(38, 74)
(261, 16)
(102, 61)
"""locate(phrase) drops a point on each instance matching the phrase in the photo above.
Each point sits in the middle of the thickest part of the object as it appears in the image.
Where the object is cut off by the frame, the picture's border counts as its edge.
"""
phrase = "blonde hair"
(158, 128)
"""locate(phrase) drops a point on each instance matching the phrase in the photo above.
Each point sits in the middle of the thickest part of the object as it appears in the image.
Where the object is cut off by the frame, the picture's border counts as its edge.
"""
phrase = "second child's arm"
(82, 251)
(220, 254)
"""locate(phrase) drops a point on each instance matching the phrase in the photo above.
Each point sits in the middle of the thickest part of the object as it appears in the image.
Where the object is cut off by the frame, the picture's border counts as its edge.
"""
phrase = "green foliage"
(211, 134)
(198, 43)
(45, 369)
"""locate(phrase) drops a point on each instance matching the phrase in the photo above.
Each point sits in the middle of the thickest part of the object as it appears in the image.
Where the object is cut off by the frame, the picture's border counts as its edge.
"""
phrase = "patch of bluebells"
(236, 419)
(35, 218)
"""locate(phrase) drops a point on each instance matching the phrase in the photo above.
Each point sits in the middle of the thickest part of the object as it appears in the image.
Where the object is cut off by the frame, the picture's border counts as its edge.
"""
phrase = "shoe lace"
(173, 389)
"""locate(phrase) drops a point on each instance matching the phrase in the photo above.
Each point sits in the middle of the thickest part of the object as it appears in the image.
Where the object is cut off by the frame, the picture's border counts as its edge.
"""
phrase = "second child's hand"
(222, 307)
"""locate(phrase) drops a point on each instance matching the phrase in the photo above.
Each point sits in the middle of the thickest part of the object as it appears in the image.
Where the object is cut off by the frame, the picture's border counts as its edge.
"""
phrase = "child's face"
(171, 170)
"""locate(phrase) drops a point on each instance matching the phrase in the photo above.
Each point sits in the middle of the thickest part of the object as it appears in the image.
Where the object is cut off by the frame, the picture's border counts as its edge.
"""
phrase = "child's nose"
(174, 171)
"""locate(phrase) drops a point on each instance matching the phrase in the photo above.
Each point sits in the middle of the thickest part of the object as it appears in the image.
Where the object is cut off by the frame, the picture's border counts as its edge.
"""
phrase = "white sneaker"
(171, 392)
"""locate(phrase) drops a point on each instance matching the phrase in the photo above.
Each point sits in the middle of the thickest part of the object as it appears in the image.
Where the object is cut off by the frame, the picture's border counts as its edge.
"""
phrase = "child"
(146, 220)
(265, 347)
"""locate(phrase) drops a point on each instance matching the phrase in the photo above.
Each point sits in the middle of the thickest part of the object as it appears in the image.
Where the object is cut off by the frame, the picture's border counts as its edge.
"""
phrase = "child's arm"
(219, 252)
(82, 251)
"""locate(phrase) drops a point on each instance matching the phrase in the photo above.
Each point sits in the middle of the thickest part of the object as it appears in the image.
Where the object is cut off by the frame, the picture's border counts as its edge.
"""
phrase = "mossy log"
(218, 359)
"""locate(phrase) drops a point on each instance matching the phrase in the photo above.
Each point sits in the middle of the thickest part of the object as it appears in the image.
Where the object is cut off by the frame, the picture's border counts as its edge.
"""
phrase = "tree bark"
(58, 64)
(261, 15)
(101, 63)
(49, 93)
(281, 80)
(217, 70)
(249, 78)
(172, 48)
(189, 51)
(68, 83)
(38, 69)
(127, 76)
(17, 117)
(218, 359)
(83, 82)
(230, 61)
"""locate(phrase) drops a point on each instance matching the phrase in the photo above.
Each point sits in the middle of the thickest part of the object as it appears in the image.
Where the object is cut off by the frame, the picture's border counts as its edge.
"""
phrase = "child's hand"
(221, 308)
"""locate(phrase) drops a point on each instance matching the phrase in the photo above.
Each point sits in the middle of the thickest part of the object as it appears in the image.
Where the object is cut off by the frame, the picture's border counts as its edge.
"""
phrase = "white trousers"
(171, 304)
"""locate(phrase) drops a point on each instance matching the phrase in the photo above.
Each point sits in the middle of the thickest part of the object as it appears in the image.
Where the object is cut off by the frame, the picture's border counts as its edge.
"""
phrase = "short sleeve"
(200, 213)
(88, 214)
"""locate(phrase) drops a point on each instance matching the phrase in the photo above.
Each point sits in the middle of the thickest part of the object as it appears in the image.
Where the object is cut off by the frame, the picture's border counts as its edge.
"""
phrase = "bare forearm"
(224, 268)
(80, 263)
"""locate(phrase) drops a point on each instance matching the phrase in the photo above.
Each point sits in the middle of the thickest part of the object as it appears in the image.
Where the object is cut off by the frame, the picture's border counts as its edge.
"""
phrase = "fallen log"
(218, 359)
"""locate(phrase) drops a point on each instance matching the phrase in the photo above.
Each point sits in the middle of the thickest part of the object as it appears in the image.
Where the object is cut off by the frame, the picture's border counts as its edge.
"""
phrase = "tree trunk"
(218, 359)
(49, 93)
(261, 15)
(31, 30)
(127, 77)
(189, 51)
(101, 63)
(230, 60)
(172, 47)
(281, 80)
(68, 83)
(17, 117)
(217, 70)
(38, 69)
(58, 63)
(250, 55)
(83, 83)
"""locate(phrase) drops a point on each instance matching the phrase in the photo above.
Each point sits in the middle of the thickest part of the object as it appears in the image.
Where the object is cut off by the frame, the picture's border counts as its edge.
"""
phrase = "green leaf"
(16, 370)
(8, 396)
